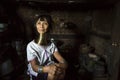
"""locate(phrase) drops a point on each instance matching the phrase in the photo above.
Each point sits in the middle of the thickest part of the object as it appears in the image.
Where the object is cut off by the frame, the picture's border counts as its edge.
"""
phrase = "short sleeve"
(30, 53)
(55, 49)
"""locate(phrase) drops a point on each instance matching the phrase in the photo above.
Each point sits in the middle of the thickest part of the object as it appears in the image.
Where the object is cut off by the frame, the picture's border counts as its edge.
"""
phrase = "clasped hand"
(55, 69)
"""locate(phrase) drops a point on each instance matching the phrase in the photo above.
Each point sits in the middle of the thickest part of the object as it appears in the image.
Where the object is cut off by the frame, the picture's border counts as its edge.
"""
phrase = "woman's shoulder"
(52, 41)
(31, 43)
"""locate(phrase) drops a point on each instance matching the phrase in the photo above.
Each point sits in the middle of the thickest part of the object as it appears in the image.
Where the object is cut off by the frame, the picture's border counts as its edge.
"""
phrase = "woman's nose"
(42, 25)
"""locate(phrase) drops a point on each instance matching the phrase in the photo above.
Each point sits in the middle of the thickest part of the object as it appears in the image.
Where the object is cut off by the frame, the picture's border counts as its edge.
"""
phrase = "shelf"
(67, 4)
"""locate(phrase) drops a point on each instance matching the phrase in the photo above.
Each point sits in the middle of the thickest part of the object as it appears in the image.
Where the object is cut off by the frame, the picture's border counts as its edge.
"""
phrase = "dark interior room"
(86, 33)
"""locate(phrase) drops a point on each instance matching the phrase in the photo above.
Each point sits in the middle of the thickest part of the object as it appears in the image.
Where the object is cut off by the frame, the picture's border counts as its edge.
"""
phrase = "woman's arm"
(61, 60)
(45, 69)
(61, 66)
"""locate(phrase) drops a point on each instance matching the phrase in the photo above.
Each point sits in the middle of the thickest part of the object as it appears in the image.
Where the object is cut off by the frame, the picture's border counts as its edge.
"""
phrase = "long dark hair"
(42, 18)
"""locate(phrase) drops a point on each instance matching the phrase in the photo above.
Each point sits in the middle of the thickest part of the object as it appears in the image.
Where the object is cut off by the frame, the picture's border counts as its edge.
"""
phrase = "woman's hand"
(56, 72)
(52, 69)
(61, 70)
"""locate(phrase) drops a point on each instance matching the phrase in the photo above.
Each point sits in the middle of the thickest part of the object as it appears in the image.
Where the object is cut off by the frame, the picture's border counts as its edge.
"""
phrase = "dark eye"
(46, 23)
(38, 23)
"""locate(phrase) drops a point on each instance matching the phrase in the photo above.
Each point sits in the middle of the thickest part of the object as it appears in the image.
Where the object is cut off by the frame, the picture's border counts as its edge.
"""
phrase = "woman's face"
(42, 26)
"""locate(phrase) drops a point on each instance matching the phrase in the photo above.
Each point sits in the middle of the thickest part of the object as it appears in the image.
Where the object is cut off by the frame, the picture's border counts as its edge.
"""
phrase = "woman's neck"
(42, 39)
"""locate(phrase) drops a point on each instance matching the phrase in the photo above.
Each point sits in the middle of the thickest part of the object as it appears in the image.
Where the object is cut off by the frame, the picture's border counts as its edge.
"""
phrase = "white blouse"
(44, 55)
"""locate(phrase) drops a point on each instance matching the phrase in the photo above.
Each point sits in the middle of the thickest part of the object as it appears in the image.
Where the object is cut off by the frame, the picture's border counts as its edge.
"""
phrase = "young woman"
(40, 53)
